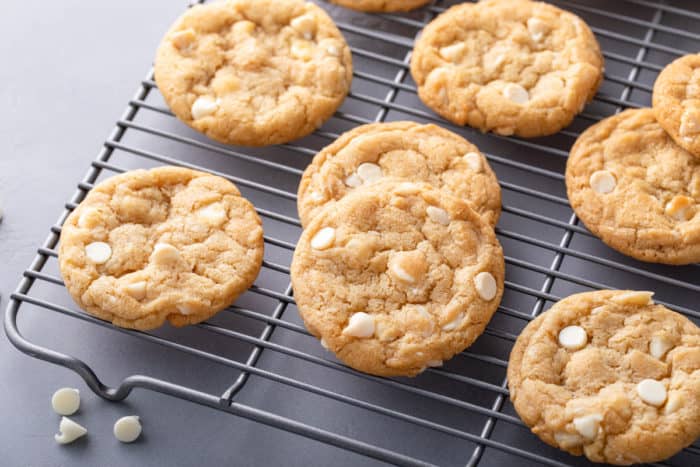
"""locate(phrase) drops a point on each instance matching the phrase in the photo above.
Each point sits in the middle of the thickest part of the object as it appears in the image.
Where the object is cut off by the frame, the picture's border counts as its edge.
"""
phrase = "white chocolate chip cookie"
(392, 289)
(677, 101)
(595, 383)
(169, 244)
(406, 150)
(636, 189)
(514, 67)
(254, 72)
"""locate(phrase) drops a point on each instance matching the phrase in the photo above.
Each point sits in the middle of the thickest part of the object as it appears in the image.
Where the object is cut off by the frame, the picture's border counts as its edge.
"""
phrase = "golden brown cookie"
(254, 72)
(677, 101)
(636, 189)
(381, 5)
(408, 150)
(610, 375)
(397, 277)
(507, 66)
(163, 244)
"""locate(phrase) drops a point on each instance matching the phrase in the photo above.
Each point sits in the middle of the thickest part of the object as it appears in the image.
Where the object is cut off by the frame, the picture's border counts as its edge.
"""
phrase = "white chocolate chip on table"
(127, 429)
(69, 431)
(66, 401)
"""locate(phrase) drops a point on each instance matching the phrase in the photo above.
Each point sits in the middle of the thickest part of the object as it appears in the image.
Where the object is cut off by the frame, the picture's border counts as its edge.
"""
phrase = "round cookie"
(381, 5)
(507, 66)
(254, 72)
(676, 101)
(163, 244)
(397, 277)
(425, 153)
(636, 189)
(610, 375)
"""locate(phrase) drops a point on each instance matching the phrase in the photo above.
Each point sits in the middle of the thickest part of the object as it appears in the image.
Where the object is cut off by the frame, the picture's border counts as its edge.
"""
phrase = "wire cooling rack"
(267, 368)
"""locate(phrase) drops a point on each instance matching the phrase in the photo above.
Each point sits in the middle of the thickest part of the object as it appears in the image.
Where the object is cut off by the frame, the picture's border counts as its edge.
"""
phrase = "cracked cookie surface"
(425, 153)
(514, 67)
(397, 277)
(636, 189)
(677, 101)
(627, 391)
(381, 5)
(254, 72)
(163, 244)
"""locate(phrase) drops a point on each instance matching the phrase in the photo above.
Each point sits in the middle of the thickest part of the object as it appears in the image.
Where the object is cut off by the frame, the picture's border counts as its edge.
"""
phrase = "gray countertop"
(68, 69)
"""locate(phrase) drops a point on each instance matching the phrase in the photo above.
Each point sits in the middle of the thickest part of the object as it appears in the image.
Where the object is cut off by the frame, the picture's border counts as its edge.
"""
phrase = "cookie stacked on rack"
(634, 178)
(398, 268)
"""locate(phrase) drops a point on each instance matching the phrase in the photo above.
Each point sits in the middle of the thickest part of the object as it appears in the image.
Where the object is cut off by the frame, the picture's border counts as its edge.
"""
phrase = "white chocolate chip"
(302, 50)
(164, 253)
(127, 429)
(680, 208)
(400, 273)
(567, 440)
(137, 290)
(213, 214)
(438, 215)
(98, 252)
(204, 106)
(66, 401)
(675, 401)
(485, 285)
(353, 181)
(652, 392)
(323, 239)
(452, 325)
(453, 52)
(659, 346)
(360, 325)
(182, 40)
(516, 93)
(602, 181)
(333, 50)
(573, 337)
(537, 28)
(324, 344)
(316, 197)
(588, 425)
(473, 160)
(184, 309)
(637, 298)
(690, 123)
(369, 172)
(69, 431)
(305, 24)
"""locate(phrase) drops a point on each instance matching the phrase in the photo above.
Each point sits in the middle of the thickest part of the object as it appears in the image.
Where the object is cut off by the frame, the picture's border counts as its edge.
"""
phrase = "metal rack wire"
(463, 406)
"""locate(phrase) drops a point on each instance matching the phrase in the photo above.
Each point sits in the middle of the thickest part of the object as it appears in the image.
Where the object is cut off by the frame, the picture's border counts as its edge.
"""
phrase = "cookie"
(514, 67)
(381, 5)
(636, 189)
(254, 72)
(610, 375)
(163, 244)
(397, 277)
(676, 101)
(425, 153)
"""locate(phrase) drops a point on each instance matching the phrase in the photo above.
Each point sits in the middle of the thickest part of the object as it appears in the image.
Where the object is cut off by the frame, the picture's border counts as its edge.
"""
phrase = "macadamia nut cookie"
(514, 67)
(254, 72)
(408, 150)
(381, 5)
(636, 189)
(163, 244)
(677, 101)
(397, 277)
(610, 375)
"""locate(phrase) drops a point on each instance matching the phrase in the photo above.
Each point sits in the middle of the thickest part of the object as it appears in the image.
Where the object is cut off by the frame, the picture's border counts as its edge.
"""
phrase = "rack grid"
(455, 415)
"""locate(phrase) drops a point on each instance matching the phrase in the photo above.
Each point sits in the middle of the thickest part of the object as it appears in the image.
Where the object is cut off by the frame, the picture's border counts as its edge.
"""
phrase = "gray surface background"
(68, 69)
